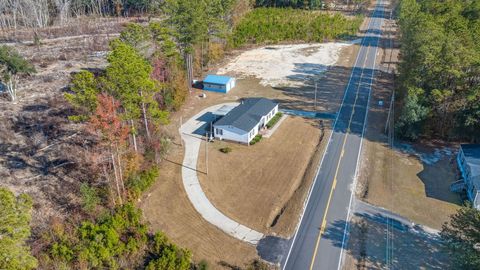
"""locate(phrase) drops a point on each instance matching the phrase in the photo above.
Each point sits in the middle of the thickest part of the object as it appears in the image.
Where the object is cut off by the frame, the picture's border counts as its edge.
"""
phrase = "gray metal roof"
(472, 157)
(247, 115)
(224, 110)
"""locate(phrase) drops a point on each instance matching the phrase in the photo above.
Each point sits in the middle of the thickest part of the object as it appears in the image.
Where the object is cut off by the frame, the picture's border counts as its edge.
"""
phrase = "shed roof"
(248, 114)
(472, 157)
(217, 79)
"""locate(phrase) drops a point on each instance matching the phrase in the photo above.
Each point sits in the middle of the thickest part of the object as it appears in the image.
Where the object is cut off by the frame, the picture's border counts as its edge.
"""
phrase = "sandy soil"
(252, 184)
(411, 180)
(285, 65)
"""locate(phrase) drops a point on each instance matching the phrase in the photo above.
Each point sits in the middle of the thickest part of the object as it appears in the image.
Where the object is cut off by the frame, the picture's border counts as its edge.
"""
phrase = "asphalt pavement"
(328, 204)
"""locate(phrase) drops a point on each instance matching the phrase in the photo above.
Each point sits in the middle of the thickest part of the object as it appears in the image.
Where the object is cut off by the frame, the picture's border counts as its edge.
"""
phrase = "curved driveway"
(192, 133)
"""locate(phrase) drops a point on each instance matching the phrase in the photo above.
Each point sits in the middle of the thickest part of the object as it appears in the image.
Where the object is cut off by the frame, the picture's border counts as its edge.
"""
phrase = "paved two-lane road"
(328, 205)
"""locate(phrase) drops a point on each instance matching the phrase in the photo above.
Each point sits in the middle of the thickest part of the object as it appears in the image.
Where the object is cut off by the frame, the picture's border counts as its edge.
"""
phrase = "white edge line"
(326, 148)
(359, 153)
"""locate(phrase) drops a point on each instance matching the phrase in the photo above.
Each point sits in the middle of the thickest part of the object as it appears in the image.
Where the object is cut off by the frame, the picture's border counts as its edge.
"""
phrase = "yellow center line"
(324, 220)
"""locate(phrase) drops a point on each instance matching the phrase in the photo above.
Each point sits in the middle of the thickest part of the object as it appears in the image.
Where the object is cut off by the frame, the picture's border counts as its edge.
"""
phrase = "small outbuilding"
(217, 83)
(244, 122)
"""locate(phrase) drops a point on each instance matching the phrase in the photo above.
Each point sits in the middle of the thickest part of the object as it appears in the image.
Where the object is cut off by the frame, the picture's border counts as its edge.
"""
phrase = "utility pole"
(206, 153)
(181, 141)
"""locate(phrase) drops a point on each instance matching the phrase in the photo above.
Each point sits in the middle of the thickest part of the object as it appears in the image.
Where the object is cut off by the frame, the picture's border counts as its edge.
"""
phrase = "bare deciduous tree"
(12, 65)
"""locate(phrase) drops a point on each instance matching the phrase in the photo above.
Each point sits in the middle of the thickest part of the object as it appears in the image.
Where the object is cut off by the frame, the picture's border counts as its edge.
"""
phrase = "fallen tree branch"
(58, 142)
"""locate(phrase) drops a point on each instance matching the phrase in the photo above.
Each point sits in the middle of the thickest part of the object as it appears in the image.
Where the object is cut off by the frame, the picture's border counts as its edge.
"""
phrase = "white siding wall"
(231, 84)
(252, 133)
(232, 134)
(238, 135)
(271, 114)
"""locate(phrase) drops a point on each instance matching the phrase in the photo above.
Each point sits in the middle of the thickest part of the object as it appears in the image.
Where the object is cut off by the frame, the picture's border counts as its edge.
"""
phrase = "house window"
(219, 131)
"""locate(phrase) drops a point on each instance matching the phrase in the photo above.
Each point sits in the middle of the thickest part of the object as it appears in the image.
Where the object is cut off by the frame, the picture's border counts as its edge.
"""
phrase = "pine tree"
(14, 231)
(84, 97)
(462, 238)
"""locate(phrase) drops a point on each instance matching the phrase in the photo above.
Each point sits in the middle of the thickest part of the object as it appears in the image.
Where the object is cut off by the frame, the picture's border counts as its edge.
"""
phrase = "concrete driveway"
(192, 133)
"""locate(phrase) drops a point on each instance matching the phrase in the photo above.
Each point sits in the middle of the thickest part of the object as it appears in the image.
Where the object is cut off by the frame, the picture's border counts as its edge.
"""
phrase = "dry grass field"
(166, 207)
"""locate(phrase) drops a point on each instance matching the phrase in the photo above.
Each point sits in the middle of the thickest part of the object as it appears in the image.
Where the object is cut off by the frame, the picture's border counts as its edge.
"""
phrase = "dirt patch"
(285, 65)
(254, 184)
(366, 248)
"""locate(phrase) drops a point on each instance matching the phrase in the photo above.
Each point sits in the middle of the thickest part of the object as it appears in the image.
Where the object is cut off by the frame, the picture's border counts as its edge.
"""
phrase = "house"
(243, 123)
(468, 160)
(216, 83)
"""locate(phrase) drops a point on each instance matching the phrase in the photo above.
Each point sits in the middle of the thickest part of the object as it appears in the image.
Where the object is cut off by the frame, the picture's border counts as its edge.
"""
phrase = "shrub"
(273, 25)
(226, 150)
(274, 120)
(258, 265)
(139, 182)
(117, 240)
(89, 197)
(101, 244)
(256, 139)
(167, 255)
(203, 265)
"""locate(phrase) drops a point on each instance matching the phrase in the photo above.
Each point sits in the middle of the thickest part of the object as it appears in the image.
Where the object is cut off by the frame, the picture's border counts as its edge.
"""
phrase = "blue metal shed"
(216, 83)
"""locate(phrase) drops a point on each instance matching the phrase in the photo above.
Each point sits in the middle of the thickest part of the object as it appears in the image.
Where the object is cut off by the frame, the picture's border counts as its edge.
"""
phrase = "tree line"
(273, 25)
(309, 4)
(42, 13)
(439, 81)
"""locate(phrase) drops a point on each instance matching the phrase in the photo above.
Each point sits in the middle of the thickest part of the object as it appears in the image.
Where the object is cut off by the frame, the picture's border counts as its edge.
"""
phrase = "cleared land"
(253, 184)
(42, 153)
(286, 65)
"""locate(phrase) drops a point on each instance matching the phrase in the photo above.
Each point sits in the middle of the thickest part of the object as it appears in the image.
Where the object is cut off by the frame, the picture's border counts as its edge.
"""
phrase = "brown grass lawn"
(166, 207)
(252, 184)
(405, 185)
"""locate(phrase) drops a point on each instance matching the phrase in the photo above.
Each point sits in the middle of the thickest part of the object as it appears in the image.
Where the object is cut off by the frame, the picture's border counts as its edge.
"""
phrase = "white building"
(243, 123)
(468, 160)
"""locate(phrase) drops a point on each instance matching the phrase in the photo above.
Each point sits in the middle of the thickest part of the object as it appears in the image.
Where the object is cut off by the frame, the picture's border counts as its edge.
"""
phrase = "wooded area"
(42, 13)
(311, 4)
(273, 25)
(439, 82)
